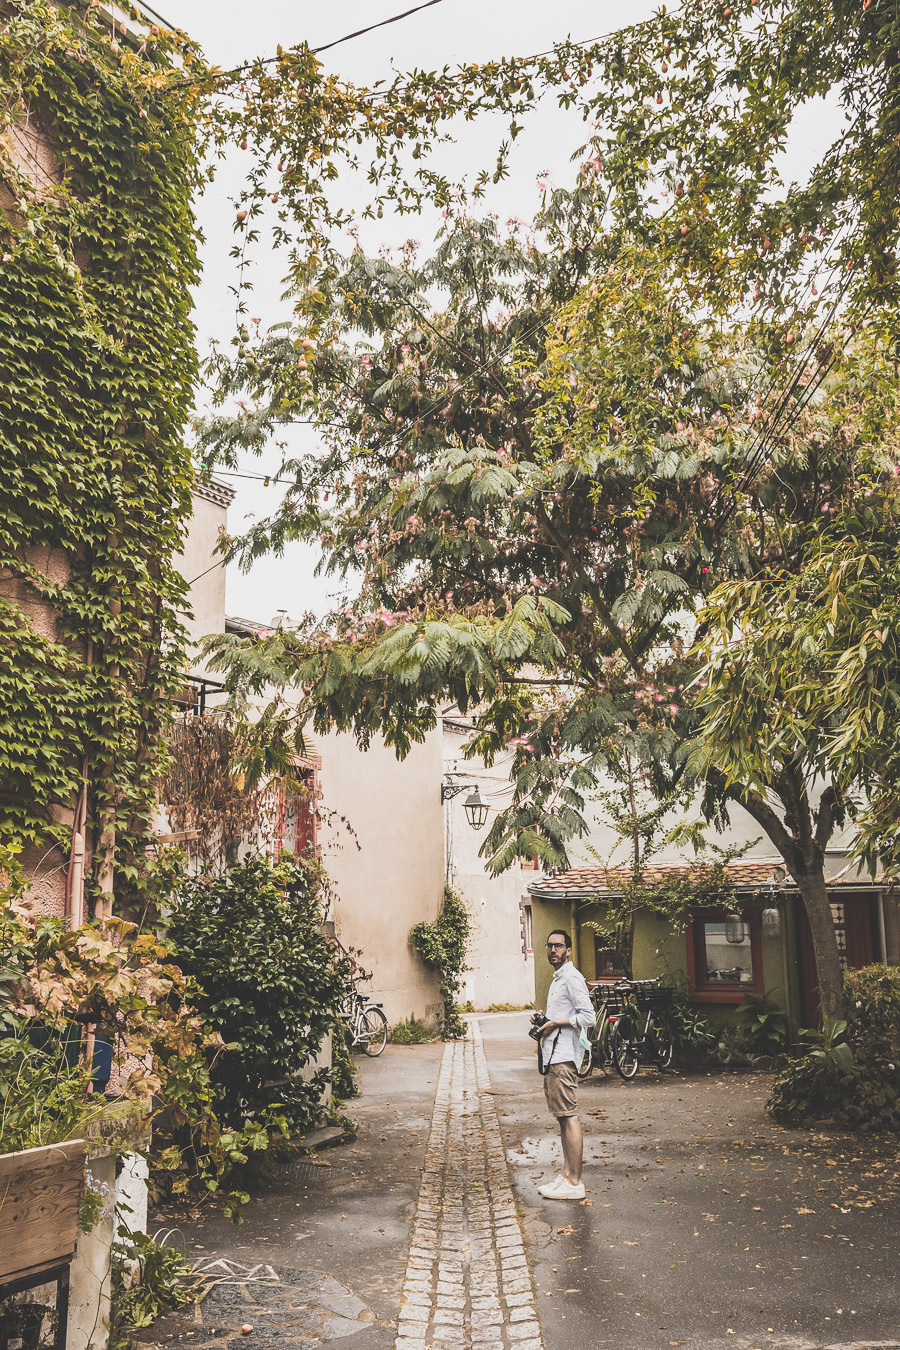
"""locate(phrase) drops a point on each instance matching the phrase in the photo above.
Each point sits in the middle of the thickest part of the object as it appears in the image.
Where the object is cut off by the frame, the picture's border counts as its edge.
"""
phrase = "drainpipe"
(75, 907)
(106, 843)
(882, 935)
(785, 967)
(74, 898)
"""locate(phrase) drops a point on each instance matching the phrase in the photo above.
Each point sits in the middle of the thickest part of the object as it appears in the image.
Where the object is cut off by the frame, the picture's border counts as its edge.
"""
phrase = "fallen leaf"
(587, 1202)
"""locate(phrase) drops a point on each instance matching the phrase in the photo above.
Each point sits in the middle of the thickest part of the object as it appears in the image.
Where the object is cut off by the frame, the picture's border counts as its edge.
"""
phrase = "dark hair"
(562, 933)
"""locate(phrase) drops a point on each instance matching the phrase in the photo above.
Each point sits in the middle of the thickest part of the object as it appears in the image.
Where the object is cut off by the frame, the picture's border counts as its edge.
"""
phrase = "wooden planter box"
(40, 1191)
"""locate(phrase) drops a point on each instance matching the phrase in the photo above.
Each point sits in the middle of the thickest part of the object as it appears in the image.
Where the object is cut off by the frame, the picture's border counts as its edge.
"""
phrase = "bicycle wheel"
(374, 1030)
(586, 1064)
(603, 1053)
(623, 1050)
(661, 1047)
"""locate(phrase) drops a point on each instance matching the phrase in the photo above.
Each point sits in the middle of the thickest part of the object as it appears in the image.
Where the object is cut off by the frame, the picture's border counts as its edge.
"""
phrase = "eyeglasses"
(556, 946)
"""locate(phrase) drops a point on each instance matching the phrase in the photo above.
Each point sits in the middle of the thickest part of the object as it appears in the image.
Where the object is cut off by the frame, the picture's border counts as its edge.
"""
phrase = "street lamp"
(476, 810)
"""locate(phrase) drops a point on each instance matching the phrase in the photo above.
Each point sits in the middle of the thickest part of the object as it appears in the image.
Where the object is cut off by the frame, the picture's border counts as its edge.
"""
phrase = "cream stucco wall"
(500, 970)
(388, 874)
(200, 565)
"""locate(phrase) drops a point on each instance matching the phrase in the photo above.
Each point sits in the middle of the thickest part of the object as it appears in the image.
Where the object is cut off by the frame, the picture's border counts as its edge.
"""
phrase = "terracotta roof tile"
(583, 882)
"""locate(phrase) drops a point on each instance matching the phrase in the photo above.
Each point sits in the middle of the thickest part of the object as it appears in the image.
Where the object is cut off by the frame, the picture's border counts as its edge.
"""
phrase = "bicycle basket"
(655, 997)
(616, 1000)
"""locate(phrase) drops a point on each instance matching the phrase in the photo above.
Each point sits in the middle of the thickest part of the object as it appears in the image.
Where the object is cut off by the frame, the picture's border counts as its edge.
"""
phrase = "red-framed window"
(295, 829)
(724, 955)
(607, 961)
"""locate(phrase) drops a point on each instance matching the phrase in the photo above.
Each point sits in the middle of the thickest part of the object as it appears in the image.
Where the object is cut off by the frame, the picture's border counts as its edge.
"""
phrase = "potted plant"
(40, 1195)
(45, 1109)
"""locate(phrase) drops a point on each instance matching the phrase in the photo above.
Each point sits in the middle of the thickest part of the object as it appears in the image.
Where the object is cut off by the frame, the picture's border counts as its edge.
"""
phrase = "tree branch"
(825, 816)
(593, 590)
(761, 811)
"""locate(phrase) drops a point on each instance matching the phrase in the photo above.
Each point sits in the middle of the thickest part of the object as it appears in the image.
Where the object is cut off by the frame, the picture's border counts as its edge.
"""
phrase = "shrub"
(411, 1031)
(141, 1296)
(344, 1075)
(270, 983)
(693, 1035)
(43, 1097)
(853, 1074)
(872, 1001)
(764, 1025)
(443, 945)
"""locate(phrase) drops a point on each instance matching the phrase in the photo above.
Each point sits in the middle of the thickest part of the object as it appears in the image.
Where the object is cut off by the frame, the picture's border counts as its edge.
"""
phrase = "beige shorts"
(560, 1085)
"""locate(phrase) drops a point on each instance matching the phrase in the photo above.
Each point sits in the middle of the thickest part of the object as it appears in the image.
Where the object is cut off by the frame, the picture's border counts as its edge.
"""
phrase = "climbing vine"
(97, 367)
(443, 945)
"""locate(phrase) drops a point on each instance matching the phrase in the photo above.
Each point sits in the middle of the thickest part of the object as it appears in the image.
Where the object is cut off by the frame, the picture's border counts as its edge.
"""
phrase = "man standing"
(569, 1012)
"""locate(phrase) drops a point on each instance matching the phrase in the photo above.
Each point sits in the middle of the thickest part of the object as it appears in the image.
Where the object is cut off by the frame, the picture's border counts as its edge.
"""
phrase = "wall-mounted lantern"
(735, 929)
(476, 810)
(771, 922)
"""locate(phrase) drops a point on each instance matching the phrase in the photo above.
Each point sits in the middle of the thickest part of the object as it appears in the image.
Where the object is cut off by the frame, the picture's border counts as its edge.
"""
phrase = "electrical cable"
(360, 32)
(220, 563)
(588, 43)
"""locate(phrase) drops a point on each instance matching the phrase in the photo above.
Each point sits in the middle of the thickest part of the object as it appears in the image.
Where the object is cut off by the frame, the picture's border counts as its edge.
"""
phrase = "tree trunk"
(821, 925)
(801, 838)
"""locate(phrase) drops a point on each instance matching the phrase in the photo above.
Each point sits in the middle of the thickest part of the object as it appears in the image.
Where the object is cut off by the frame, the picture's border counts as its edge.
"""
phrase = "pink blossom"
(257, 319)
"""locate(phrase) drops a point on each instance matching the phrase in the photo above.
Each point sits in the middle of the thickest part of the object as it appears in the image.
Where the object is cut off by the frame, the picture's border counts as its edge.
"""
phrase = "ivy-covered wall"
(98, 162)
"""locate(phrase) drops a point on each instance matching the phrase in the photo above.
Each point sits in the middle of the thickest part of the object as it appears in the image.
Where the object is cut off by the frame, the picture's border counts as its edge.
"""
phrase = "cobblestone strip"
(467, 1279)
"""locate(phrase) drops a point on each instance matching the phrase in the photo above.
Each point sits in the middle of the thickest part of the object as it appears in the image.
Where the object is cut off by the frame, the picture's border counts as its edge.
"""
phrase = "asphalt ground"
(346, 1213)
(705, 1225)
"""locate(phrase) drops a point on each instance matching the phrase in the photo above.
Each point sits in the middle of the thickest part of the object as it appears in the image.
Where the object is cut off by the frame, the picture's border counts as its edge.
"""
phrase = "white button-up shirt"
(568, 1001)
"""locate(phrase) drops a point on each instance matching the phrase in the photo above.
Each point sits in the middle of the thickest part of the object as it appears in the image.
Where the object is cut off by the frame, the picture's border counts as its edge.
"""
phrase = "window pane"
(729, 957)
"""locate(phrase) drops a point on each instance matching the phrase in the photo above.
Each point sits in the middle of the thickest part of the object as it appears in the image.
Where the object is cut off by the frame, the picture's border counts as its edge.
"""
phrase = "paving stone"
(519, 1332)
(466, 1233)
(336, 1328)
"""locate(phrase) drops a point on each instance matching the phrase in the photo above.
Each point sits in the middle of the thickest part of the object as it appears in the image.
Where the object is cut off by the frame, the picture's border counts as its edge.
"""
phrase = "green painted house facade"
(756, 942)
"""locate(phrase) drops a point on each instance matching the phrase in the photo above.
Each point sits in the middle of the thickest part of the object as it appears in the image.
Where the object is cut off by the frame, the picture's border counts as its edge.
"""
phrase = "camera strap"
(541, 1070)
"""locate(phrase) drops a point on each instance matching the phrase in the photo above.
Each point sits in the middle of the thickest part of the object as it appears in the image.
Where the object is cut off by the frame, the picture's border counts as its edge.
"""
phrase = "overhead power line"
(360, 32)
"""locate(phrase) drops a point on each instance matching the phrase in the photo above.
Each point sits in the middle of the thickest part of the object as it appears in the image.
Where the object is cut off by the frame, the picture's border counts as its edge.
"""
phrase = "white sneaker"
(564, 1191)
(552, 1186)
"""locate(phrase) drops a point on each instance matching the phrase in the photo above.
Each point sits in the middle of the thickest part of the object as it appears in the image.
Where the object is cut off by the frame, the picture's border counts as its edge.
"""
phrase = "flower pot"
(40, 1191)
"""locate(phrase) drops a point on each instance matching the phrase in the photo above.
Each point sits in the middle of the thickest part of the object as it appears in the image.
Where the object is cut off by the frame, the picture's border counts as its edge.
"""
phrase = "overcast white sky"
(451, 32)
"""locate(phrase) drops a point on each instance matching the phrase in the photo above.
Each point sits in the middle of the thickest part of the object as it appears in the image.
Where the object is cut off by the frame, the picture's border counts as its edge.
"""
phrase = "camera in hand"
(539, 1020)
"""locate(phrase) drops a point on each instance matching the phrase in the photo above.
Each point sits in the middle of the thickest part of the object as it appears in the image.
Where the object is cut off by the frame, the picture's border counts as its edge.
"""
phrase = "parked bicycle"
(604, 1052)
(641, 1034)
(366, 1023)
